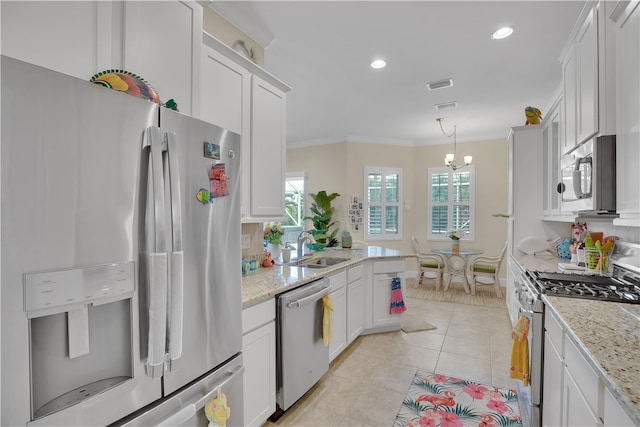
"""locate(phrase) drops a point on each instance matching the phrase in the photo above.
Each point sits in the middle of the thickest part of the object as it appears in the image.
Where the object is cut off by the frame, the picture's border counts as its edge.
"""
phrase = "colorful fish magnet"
(204, 196)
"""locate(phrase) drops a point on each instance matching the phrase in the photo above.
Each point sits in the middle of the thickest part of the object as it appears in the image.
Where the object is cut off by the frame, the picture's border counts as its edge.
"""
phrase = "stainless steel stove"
(622, 286)
(604, 288)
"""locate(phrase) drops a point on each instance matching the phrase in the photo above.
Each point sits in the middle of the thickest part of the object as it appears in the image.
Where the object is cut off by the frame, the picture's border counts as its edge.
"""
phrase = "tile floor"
(367, 383)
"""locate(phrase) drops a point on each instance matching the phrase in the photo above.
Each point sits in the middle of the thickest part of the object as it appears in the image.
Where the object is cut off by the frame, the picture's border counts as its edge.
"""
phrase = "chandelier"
(450, 159)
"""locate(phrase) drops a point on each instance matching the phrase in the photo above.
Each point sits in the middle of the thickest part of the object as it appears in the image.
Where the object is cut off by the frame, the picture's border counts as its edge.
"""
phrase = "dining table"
(457, 264)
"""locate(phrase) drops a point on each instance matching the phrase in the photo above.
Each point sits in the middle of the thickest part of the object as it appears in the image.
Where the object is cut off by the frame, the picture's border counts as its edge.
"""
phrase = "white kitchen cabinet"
(524, 185)
(614, 415)
(356, 302)
(582, 389)
(551, 160)
(259, 353)
(338, 295)
(74, 38)
(383, 273)
(626, 16)
(226, 92)
(156, 40)
(553, 373)
(162, 43)
(242, 97)
(580, 83)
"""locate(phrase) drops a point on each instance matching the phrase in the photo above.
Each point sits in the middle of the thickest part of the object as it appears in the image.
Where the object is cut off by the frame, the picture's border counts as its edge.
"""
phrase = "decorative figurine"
(534, 116)
(268, 262)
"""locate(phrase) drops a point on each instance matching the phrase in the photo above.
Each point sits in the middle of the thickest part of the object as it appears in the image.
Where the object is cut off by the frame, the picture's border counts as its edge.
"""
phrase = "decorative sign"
(211, 151)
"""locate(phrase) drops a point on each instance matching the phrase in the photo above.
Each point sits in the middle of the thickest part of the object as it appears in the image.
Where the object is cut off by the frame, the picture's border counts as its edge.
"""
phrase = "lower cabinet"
(259, 351)
(338, 295)
(383, 274)
(356, 302)
(573, 392)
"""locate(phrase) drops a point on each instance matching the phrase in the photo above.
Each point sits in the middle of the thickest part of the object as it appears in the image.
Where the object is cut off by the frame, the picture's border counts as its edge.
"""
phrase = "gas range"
(603, 288)
(623, 285)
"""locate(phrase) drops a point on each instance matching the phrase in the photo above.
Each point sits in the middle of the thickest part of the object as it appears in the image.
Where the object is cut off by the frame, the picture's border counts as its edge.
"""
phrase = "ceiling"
(322, 49)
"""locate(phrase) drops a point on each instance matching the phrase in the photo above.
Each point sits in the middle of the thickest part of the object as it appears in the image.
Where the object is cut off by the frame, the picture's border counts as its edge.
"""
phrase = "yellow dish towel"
(520, 351)
(327, 308)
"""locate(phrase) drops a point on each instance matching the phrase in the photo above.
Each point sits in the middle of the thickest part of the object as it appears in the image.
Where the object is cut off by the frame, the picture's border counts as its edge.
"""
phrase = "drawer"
(257, 315)
(583, 374)
(395, 266)
(355, 273)
(555, 333)
(337, 281)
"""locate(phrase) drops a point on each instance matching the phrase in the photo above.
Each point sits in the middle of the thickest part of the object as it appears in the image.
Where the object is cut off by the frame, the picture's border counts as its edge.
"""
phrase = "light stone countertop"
(606, 333)
(268, 282)
(608, 336)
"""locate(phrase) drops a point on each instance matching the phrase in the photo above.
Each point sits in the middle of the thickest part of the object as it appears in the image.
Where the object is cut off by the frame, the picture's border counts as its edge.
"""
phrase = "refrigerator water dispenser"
(79, 333)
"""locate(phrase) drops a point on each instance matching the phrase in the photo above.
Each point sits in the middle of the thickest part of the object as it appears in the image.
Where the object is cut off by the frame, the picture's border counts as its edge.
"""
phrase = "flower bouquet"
(273, 233)
(455, 234)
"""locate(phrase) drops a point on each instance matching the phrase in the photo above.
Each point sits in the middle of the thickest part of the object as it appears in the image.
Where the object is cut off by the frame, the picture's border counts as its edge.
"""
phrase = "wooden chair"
(432, 264)
(483, 266)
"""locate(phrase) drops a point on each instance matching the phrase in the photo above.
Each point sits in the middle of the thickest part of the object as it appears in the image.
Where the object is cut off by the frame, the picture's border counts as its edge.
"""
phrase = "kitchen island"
(269, 282)
(607, 335)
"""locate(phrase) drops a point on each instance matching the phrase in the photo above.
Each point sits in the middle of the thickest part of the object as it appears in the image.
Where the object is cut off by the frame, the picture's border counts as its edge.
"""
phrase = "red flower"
(449, 419)
(439, 378)
(497, 406)
(476, 391)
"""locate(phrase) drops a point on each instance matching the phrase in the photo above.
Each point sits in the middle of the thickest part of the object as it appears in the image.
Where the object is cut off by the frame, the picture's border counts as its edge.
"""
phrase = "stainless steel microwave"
(589, 176)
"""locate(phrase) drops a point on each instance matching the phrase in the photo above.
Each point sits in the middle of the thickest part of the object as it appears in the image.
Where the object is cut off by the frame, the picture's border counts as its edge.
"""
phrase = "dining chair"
(432, 264)
(487, 267)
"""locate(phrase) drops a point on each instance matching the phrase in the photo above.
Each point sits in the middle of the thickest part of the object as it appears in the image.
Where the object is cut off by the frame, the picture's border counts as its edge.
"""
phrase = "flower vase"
(275, 249)
(455, 246)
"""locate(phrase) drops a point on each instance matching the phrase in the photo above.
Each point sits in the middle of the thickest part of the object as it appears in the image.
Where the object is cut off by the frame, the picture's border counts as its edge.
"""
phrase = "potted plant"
(322, 218)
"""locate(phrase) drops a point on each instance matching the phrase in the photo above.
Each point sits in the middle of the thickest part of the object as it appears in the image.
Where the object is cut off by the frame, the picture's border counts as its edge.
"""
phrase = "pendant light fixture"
(450, 159)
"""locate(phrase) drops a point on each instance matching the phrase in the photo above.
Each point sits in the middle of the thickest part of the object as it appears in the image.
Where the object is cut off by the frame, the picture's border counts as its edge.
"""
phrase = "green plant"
(322, 218)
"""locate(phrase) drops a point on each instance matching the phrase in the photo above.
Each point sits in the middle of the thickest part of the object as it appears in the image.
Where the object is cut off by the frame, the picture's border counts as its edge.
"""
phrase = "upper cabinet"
(580, 83)
(240, 96)
(626, 16)
(157, 40)
(551, 160)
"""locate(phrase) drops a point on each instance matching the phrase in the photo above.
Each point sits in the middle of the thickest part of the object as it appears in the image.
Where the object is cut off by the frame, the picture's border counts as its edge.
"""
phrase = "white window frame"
(470, 237)
(303, 176)
(383, 171)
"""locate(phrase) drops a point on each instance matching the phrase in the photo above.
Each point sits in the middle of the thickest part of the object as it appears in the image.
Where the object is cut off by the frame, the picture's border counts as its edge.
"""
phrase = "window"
(451, 201)
(294, 199)
(382, 200)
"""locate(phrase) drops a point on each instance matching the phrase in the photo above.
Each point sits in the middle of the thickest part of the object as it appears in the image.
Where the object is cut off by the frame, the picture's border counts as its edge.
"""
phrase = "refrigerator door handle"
(180, 417)
(157, 261)
(177, 256)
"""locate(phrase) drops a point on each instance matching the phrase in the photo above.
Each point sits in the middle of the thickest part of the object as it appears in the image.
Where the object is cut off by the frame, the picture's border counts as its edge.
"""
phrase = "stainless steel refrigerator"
(120, 252)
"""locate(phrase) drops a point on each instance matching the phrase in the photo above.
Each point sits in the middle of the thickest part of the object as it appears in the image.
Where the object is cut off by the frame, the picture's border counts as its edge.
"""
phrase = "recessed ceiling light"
(378, 63)
(502, 33)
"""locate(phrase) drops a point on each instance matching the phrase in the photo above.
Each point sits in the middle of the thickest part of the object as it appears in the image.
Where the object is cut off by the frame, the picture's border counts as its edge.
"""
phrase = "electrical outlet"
(246, 242)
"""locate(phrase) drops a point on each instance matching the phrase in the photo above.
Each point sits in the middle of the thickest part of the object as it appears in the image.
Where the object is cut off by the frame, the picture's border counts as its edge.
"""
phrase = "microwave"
(588, 176)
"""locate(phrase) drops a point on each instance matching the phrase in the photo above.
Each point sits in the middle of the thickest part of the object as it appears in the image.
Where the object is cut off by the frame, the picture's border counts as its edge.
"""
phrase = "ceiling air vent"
(440, 84)
(445, 105)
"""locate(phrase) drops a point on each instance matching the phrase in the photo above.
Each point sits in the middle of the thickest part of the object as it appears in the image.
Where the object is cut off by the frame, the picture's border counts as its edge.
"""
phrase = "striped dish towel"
(397, 302)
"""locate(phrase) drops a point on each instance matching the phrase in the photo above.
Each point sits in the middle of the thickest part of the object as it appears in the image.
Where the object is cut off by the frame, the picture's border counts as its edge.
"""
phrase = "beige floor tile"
(366, 384)
(465, 367)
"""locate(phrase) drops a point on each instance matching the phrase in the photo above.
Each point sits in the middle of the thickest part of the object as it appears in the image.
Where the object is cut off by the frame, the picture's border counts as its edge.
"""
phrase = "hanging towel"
(397, 303)
(520, 351)
(327, 308)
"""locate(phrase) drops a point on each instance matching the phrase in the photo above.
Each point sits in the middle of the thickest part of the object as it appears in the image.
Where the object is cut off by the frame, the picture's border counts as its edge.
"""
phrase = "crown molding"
(245, 22)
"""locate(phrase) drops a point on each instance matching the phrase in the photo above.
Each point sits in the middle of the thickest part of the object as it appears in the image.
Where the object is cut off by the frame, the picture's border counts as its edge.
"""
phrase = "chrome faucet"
(301, 239)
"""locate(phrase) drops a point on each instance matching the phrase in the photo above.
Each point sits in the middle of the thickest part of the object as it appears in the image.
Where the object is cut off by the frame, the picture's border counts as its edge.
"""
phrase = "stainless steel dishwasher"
(302, 359)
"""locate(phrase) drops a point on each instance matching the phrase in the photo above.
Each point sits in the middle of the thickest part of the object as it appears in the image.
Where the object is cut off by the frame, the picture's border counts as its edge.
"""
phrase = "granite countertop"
(268, 282)
(606, 333)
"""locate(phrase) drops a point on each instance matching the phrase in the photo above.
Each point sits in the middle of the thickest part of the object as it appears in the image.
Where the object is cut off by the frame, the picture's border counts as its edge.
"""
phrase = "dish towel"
(397, 303)
(327, 308)
(520, 351)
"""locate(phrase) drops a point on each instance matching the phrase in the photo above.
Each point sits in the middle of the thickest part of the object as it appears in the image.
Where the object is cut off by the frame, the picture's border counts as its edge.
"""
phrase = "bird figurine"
(534, 116)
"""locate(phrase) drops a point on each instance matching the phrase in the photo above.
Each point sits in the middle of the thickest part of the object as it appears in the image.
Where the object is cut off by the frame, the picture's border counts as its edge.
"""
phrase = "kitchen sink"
(318, 262)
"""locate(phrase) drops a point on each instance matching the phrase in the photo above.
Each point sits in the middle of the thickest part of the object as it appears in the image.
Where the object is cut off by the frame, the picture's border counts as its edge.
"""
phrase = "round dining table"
(457, 264)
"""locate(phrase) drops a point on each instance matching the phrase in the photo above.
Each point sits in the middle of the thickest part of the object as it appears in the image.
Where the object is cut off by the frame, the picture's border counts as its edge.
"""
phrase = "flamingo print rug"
(440, 400)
